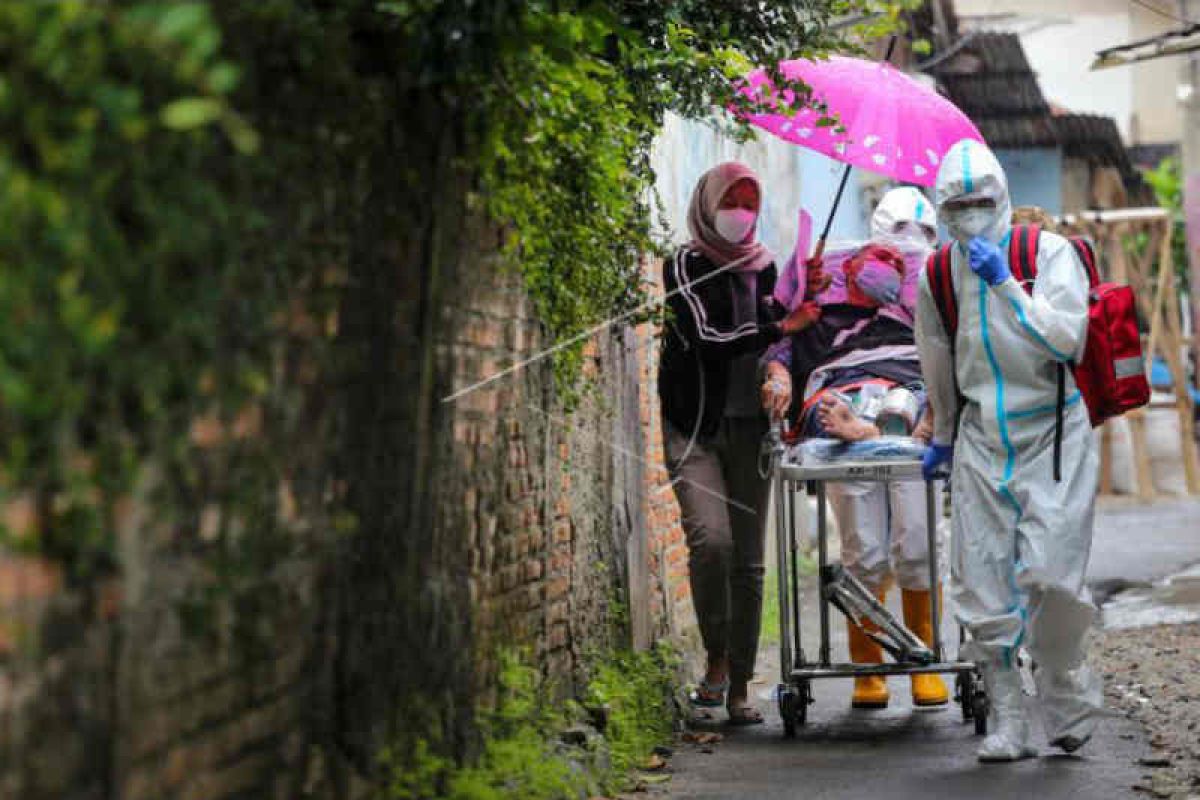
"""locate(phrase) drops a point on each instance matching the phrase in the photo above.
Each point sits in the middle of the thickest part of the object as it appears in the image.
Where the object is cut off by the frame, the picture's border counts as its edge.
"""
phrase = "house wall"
(1035, 177)
(1061, 40)
(1157, 115)
(1076, 184)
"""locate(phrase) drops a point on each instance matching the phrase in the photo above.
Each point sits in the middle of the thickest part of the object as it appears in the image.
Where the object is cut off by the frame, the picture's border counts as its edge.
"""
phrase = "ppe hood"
(970, 170)
(900, 205)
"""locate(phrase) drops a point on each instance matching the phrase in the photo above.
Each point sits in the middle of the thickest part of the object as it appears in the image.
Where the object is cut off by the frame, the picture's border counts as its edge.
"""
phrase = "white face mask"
(735, 224)
(968, 223)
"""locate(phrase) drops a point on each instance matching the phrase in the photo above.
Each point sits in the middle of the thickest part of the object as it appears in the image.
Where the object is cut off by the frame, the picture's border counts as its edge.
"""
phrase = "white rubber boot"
(1009, 739)
(1071, 706)
(1069, 692)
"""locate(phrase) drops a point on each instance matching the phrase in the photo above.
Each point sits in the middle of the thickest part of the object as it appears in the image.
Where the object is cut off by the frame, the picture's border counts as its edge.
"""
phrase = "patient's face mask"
(872, 284)
(879, 282)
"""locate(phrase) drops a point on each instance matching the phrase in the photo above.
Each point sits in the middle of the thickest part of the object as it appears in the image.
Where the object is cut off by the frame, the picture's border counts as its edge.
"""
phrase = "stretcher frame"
(797, 672)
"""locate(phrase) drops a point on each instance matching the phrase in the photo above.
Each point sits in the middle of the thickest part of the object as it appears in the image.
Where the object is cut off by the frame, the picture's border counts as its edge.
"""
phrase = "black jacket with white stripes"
(700, 340)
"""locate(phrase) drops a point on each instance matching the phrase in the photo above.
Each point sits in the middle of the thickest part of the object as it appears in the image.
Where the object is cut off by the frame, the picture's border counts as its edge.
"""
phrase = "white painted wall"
(792, 177)
(1061, 38)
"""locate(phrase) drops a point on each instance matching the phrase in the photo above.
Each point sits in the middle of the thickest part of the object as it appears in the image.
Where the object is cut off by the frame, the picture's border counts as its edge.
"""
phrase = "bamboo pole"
(1173, 353)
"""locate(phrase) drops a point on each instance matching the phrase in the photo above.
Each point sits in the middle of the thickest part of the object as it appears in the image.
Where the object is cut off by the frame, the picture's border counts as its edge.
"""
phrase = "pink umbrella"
(889, 123)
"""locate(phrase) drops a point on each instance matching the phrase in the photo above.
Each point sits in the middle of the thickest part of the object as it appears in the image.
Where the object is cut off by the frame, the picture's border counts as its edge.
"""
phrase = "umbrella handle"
(837, 199)
(820, 249)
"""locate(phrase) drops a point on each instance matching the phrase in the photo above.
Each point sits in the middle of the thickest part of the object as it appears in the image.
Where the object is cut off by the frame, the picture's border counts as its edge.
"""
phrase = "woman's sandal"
(709, 695)
(745, 714)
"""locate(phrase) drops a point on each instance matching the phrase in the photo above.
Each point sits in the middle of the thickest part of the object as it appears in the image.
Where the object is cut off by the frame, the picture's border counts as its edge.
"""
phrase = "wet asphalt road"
(1139, 543)
(899, 753)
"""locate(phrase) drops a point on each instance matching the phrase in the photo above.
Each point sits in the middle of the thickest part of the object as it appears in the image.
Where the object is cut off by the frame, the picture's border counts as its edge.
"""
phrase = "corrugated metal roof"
(1094, 139)
(1097, 141)
(991, 81)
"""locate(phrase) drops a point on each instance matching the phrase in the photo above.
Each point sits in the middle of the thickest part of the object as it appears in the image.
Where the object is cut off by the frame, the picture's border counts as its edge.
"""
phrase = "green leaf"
(181, 19)
(223, 78)
(191, 112)
(240, 132)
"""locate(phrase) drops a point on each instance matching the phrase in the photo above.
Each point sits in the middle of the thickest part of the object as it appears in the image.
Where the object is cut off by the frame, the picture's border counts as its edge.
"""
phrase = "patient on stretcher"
(873, 423)
(853, 380)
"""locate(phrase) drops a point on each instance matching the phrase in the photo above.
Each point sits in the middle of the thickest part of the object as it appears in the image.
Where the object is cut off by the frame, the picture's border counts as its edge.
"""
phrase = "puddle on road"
(1172, 601)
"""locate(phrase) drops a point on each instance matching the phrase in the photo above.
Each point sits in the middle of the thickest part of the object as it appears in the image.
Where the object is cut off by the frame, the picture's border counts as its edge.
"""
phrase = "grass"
(769, 630)
(521, 754)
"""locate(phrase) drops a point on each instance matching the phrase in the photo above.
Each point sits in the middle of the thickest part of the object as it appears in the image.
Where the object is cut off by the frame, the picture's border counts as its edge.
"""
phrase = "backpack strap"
(1022, 260)
(1060, 406)
(1022, 254)
(941, 285)
(1087, 255)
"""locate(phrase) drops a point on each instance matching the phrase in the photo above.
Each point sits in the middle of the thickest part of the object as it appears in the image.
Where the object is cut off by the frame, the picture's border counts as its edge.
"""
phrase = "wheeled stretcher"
(792, 476)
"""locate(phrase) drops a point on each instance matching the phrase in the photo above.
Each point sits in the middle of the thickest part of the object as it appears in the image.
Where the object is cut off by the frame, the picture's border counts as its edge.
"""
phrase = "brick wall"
(670, 599)
(531, 525)
(548, 564)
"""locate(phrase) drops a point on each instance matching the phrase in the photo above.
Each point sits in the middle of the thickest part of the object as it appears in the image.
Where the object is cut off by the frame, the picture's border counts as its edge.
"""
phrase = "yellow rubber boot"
(927, 690)
(870, 691)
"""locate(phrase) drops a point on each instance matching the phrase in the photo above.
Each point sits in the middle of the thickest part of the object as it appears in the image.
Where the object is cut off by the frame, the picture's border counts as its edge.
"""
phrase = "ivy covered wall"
(247, 252)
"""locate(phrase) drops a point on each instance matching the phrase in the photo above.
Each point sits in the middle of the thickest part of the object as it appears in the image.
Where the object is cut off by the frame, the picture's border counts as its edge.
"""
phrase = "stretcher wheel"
(793, 706)
(980, 705)
(962, 696)
(980, 702)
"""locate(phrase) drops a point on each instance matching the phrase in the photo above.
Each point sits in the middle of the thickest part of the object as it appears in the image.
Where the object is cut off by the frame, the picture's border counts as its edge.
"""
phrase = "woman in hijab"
(721, 318)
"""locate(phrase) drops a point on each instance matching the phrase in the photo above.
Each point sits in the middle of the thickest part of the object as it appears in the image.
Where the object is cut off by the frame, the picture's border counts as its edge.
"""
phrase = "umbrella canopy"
(889, 123)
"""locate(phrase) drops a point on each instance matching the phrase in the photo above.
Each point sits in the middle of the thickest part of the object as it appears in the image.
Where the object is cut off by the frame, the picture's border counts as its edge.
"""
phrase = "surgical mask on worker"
(965, 224)
(735, 224)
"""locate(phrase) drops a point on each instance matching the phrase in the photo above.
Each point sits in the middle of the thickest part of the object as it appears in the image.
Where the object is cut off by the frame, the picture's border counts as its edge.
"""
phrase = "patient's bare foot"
(840, 422)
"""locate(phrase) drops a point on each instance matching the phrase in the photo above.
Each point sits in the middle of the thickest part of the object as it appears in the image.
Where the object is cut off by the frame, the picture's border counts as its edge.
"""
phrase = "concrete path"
(1142, 543)
(899, 753)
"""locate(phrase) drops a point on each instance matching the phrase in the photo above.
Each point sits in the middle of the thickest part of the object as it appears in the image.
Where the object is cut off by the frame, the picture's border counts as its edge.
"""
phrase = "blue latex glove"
(987, 261)
(936, 456)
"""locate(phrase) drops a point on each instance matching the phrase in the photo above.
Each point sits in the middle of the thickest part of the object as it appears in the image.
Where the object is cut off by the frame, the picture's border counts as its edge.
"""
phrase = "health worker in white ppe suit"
(1020, 538)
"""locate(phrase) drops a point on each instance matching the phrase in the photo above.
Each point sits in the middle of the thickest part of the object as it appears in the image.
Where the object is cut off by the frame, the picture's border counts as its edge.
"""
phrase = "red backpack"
(1111, 375)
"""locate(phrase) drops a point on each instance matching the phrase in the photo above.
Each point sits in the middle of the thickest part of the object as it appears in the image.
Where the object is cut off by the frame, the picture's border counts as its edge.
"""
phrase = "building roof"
(1149, 156)
(1094, 139)
(990, 79)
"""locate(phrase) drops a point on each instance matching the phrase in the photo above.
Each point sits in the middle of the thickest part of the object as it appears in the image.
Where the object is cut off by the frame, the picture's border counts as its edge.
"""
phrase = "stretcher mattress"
(812, 452)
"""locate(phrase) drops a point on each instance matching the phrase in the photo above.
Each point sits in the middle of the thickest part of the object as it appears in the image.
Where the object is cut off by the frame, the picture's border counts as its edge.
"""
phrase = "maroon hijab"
(751, 254)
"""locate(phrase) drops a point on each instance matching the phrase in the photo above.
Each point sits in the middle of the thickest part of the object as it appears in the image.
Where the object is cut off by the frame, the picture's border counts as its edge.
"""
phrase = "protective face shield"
(912, 233)
(735, 224)
(970, 172)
